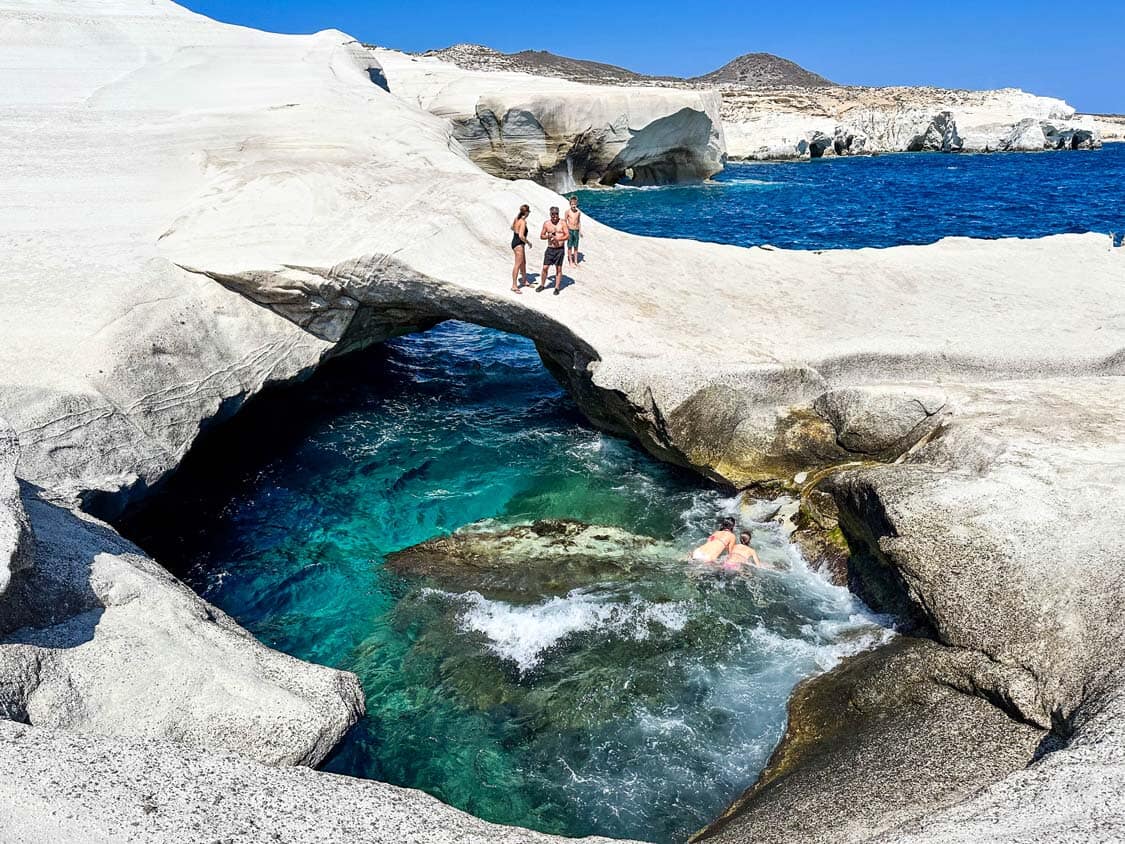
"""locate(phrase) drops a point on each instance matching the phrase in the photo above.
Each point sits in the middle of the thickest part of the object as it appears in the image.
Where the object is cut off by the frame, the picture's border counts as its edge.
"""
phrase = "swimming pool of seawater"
(635, 701)
(846, 203)
(623, 696)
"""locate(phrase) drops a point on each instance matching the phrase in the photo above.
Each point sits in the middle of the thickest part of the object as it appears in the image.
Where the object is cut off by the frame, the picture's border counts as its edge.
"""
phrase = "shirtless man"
(719, 543)
(741, 554)
(555, 233)
(573, 220)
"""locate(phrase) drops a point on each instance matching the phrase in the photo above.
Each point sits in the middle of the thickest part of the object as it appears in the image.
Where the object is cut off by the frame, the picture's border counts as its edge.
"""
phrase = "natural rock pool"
(570, 679)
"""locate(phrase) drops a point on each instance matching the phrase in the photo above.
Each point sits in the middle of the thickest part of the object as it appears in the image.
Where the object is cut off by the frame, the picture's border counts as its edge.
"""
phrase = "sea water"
(846, 203)
(635, 705)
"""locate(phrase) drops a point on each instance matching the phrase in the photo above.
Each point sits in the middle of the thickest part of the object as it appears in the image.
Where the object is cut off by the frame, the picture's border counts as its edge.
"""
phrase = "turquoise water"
(623, 695)
(845, 203)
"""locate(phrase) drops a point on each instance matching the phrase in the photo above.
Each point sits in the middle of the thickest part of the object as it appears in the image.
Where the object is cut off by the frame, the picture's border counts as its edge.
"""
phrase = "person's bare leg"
(543, 276)
(517, 259)
(558, 278)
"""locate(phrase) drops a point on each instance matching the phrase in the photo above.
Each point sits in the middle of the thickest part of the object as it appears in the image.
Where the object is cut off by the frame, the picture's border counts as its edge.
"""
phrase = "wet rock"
(881, 739)
(527, 562)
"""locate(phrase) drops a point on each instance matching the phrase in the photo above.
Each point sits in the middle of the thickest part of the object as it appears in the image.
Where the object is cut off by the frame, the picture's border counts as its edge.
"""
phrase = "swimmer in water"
(719, 543)
(741, 555)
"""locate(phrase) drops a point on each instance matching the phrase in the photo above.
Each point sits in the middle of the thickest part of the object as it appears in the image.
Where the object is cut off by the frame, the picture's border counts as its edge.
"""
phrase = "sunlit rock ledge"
(196, 211)
(565, 134)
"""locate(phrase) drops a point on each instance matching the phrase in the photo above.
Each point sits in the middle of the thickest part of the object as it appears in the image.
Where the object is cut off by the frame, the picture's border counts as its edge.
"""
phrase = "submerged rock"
(526, 562)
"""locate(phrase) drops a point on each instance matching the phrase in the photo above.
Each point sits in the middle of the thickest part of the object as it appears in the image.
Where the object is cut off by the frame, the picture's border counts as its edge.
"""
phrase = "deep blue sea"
(845, 203)
(635, 701)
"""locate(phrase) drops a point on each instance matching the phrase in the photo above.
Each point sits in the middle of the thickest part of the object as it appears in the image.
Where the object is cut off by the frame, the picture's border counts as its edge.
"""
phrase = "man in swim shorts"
(556, 234)
(573, 222)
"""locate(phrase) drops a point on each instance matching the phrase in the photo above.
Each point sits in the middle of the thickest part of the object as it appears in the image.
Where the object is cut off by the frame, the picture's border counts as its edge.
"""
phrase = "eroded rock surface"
(60, 787)
(564, 134)
(97, 638)
(16, 540)
(253, 203)
(527, 562)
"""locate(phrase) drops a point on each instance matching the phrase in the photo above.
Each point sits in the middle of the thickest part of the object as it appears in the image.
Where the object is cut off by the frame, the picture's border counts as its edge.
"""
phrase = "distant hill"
(756, 70)
(763, 70)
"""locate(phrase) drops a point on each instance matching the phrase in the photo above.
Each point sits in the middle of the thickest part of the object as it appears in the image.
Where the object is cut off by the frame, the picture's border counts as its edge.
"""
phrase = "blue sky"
(1065, 49)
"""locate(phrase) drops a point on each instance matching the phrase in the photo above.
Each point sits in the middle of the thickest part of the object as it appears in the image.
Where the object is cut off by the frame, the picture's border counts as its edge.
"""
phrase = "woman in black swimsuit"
(519, 245)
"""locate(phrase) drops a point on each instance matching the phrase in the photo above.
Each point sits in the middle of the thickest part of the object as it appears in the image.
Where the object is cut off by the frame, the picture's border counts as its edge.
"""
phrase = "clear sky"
(1073, 50)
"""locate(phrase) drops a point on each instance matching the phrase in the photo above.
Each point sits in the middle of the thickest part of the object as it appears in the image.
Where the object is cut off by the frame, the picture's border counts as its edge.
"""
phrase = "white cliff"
(794, 123)
(563, 133)
(195, 211)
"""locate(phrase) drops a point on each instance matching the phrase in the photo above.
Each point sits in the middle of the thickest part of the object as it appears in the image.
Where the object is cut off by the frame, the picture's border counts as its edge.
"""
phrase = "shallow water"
(845, 203)
(637, 703)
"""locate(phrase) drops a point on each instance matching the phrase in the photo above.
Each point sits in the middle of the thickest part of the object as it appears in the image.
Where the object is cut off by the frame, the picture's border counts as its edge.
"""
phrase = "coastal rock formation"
(16, 539)
(253, 204)
(773, 109)
(59, 787)
(561, 133)
(528, 562)
(781, 123)
(97, 638)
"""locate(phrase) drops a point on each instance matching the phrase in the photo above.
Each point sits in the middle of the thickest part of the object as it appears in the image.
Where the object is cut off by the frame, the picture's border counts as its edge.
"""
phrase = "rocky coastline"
(773, 110)
(185, 244)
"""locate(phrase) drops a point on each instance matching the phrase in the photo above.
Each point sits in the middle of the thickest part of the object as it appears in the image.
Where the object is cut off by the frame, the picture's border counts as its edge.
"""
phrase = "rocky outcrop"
(783, 123)
(528, 562)
(253, 204)
(65, 788)
(16, 540)
(96, 638)
(565, 134)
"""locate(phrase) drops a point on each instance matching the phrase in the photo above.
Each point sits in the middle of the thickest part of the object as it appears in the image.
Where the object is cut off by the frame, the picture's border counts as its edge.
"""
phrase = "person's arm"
(523, 236)
(755, 558)
(563, 234)
(543, 234)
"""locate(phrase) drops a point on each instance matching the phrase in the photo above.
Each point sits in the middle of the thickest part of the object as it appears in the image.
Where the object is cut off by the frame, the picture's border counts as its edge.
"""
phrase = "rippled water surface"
(631, 701)
(844, 203)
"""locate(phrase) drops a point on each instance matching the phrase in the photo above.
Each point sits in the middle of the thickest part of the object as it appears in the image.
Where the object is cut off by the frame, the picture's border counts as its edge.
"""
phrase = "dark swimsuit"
(516, 239)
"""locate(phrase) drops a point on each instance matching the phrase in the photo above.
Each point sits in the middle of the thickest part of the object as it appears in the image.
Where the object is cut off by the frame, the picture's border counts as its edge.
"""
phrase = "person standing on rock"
(573, 220)
(519, 244)
(556, 234)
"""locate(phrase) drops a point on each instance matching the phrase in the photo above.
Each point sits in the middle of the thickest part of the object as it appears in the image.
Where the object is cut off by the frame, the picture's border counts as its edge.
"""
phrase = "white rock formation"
(564, 133)
(781, 123)
(193, 211)
(15, 529)
(81, 789)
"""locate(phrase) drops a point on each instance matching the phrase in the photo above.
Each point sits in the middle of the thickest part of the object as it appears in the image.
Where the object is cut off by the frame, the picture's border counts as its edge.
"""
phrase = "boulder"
(529, 562)
(565, 134)
(1025, 136)
(881, 421)
(99, 639)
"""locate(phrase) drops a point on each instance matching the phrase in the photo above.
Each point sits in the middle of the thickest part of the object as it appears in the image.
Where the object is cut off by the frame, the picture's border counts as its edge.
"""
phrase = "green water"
(626, 696)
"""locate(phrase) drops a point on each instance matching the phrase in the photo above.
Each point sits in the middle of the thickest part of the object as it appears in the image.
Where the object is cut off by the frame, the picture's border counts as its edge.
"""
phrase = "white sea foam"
(525, 633)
